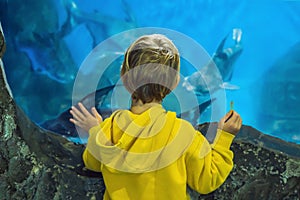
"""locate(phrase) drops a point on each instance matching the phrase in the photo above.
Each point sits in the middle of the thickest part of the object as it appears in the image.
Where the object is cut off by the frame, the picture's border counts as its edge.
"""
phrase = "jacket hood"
(139, 143)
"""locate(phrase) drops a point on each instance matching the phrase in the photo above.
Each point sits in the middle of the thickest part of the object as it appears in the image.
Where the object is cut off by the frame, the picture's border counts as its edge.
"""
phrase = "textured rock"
(265, 168)
(37, 164)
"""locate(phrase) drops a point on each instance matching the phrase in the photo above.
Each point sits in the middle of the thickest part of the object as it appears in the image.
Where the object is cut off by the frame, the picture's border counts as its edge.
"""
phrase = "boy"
(147, 152)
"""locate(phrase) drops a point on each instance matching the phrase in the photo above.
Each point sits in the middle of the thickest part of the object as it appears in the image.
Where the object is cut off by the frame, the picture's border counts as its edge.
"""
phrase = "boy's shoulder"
(186, 124)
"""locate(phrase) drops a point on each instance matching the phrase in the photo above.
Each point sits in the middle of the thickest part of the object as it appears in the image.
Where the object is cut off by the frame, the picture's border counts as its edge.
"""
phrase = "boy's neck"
(137, 107)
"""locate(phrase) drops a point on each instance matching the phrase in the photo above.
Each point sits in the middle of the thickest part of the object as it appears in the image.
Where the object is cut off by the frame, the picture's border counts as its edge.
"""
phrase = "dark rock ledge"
(265, 168)
(37, 164)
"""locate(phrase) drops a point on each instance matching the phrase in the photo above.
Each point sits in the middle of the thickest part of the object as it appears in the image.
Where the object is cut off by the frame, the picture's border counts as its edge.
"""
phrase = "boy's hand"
(231, 122)
(83, 118)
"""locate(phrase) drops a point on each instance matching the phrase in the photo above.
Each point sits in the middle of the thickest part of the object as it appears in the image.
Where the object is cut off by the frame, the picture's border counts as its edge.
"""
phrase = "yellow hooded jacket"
(154, 155)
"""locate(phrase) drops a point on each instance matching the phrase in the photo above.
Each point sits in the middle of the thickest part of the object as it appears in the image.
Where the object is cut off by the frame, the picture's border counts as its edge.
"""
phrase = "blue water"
(270, 29)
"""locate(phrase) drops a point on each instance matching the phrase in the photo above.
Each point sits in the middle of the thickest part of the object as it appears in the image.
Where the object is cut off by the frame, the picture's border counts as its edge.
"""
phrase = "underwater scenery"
(234, 55)
(254, 44)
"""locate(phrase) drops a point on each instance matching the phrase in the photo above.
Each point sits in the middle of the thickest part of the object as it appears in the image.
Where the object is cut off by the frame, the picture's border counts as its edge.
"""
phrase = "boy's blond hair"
(150, 68)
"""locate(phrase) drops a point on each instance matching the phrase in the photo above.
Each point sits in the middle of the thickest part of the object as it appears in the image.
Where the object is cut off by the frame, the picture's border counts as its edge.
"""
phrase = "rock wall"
(265, 168)
(37, 164)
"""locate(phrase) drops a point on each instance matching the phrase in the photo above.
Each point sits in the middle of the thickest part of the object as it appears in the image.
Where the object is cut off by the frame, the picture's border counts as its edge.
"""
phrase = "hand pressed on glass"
(85, 119)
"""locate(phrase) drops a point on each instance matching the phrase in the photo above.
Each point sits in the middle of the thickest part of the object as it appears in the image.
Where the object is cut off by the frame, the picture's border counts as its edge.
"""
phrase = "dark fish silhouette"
(96, 22)
(42, 41)
(62, 126)
(278, 94)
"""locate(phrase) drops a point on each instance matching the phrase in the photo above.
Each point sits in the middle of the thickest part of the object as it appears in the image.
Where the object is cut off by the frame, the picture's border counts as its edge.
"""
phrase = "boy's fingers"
(236, 118)
(76, 114)
(74, 121)
(237, 121)
(228, 115)
(83, 109)
(96, 114)
(240, 122)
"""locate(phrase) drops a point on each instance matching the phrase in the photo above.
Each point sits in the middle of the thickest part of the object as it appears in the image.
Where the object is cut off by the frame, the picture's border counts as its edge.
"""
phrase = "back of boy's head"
(150, 68)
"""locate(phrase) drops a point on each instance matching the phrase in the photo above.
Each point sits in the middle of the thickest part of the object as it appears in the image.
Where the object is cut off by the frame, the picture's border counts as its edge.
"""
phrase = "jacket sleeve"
(89, 160)
(208, 165)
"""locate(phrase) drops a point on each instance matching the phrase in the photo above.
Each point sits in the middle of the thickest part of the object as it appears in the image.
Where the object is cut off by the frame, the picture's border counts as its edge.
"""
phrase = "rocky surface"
(265, 168)
(38, 164)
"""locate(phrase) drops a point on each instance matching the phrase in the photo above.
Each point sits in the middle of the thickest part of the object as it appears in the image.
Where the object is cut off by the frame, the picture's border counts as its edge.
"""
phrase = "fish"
(218, 72)
(277, 95)
(215, 76)
(43, 50)
(61, 124)
(98, 23)
(42, 41)
(225, 58)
